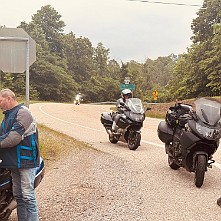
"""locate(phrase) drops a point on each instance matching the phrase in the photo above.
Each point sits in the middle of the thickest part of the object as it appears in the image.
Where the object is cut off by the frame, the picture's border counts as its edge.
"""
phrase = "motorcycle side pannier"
(165, 132)
(106, 119)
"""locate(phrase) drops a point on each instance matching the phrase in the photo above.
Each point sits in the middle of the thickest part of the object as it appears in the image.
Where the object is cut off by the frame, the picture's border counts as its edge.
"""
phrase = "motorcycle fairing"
(123, 122)
(208, 133)
(204, 131)
(135, 117)
(187, 139)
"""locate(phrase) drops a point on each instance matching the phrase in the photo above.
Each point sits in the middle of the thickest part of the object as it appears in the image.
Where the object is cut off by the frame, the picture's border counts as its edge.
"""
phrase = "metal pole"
(27, 73)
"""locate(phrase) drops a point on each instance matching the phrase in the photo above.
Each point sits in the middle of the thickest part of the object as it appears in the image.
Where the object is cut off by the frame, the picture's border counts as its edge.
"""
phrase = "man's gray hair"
(7, 93)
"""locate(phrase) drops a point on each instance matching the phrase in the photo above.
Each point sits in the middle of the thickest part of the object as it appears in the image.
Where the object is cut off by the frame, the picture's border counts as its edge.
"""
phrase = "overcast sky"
(132, 30)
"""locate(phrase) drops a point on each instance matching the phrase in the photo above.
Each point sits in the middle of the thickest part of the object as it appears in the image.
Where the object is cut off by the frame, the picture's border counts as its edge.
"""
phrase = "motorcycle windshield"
(135, 105)
(208, 111)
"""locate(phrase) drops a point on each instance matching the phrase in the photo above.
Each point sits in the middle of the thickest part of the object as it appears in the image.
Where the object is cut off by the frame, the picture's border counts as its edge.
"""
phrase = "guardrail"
(110, 102)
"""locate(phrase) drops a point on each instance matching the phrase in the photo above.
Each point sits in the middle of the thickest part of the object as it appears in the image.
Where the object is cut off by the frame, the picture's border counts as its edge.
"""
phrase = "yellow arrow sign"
(155, 94)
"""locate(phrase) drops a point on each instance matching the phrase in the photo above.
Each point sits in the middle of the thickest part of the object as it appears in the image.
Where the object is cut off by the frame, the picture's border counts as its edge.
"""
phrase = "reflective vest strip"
(19, 157)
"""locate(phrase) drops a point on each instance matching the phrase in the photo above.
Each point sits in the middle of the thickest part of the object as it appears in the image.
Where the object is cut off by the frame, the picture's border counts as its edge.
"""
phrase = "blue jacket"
(19, 139)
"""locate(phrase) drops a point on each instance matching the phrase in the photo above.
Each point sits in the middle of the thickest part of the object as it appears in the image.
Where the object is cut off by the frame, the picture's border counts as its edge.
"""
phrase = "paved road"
(140, 183)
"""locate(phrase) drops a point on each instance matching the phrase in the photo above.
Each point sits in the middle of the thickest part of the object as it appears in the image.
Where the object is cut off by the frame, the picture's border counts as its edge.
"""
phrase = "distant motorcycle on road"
(192, 137)
(78, 99)
(129, 124)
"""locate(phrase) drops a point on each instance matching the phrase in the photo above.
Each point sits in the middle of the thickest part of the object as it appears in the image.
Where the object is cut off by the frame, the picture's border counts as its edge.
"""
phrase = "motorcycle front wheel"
(134, 140)
(200, 170)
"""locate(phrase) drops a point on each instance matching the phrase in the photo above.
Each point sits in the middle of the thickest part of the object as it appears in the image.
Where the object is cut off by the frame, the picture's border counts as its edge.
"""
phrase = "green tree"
(213, 64)
(208, 16)
(158, 73)
(114, 70)
(197, 72)
(49, 20)
(101, 57)
(79, 52)
(50, 70)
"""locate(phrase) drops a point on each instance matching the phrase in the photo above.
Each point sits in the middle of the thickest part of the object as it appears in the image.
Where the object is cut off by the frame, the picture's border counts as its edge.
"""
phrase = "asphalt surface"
(115, 183)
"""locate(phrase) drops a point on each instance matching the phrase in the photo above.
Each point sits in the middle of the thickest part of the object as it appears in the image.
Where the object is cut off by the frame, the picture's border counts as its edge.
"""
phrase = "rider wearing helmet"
(78, 98)
(125, 94)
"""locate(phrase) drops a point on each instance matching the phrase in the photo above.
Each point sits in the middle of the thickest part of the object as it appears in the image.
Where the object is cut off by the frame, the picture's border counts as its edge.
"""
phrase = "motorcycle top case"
(106, 119)
(165, 132)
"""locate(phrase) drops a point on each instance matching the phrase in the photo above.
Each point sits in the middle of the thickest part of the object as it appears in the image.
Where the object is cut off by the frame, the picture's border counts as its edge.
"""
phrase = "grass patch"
(55, 145)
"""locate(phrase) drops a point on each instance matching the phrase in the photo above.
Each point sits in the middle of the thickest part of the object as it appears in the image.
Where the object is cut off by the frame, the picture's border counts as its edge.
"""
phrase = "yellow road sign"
(155, 94)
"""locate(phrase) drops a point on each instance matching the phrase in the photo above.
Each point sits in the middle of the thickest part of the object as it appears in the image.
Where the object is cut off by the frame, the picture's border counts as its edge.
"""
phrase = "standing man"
(19, 153)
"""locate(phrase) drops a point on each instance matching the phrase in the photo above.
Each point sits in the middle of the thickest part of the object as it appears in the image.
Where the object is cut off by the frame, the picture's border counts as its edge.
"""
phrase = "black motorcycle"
(7, 201)
(191, 137)
(129, 124)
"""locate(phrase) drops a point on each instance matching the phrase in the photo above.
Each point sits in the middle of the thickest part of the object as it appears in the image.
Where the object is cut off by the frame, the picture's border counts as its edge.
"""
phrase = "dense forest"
(67, 64)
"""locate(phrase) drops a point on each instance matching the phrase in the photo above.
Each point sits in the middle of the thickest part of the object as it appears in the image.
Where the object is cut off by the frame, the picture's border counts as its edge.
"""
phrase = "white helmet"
(126, 92)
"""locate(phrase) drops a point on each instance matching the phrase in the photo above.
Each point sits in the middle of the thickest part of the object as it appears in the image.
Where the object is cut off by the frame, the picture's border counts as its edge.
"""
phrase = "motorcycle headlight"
(209, 133)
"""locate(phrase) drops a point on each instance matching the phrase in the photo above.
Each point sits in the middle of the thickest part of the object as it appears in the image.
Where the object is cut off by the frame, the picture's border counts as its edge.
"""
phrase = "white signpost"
(17, 53)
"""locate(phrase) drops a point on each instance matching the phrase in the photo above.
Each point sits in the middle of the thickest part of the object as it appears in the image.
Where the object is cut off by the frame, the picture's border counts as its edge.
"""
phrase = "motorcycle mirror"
(172, 108)
(186, 107)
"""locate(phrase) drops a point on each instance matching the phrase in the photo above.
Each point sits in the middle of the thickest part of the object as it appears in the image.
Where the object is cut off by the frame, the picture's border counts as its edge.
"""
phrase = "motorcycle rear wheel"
(200, 170)
(112, 139)
(172, 164)
(134, 140)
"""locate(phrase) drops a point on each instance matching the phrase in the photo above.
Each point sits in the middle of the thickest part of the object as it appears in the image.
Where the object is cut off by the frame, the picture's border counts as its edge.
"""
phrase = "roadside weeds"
(55, 145)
